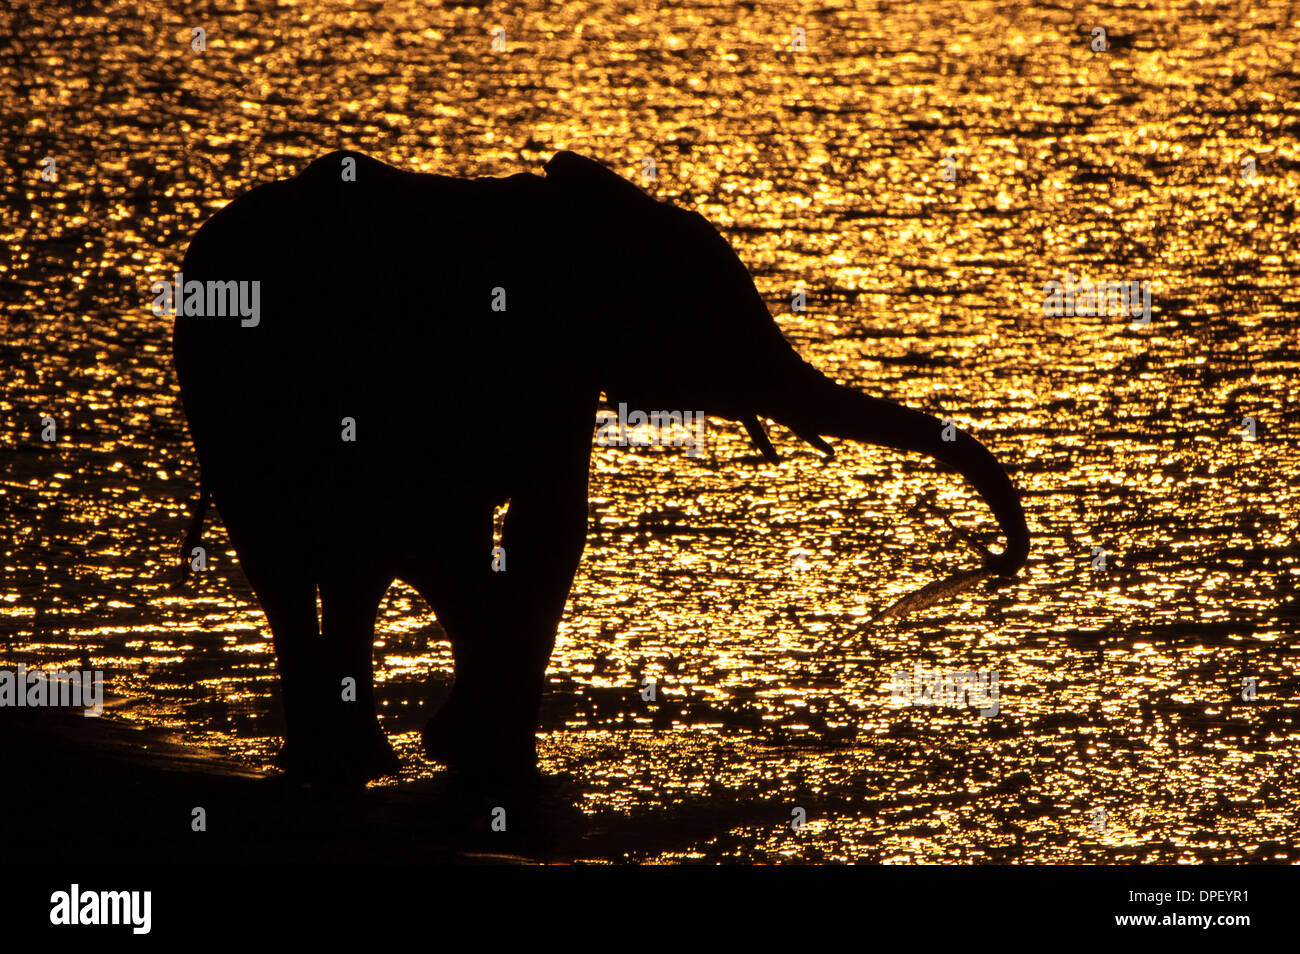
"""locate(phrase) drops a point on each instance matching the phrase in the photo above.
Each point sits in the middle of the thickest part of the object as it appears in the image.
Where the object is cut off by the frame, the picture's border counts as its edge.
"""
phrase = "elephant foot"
(352, 757)
(484, 748)
(375, 754)
(448, 739)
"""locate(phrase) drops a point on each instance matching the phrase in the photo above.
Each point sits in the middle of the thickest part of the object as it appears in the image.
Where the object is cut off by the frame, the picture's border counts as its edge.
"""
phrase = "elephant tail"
(195, 533)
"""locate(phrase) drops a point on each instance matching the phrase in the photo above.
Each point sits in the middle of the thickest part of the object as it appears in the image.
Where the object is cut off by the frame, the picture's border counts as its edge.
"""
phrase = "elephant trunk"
(815, 405)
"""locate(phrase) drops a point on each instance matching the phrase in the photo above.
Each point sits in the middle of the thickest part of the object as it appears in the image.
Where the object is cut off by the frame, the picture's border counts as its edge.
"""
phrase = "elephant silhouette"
(372, 360)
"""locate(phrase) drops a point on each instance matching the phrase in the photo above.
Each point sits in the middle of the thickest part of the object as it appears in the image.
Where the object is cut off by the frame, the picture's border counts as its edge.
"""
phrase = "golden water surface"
(749, 591)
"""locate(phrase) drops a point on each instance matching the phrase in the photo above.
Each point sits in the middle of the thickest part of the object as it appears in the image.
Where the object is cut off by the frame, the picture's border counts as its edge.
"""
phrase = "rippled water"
(748, 590)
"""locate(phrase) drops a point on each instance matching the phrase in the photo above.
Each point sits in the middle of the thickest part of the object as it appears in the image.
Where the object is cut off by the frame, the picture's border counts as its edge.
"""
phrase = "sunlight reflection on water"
(1121, 686)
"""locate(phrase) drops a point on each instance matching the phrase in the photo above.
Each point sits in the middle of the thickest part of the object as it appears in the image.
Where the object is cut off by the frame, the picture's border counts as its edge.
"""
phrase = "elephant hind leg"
(327, 740)
(288, 598)
(355, 746)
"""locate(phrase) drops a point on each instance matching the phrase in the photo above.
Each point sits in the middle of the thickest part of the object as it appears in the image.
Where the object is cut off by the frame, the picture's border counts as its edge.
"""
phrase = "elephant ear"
(587, 180)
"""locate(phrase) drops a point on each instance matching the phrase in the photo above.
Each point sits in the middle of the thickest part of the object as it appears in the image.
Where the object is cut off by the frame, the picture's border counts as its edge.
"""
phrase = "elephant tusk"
(813, 438)
(760, 439)
(758, 435)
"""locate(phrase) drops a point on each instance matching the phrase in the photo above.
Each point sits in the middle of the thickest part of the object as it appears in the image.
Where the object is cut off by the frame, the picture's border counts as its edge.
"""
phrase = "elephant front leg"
(489, 724)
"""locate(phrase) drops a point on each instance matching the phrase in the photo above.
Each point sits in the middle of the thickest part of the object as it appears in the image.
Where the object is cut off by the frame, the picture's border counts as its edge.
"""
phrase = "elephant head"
(687, 329)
